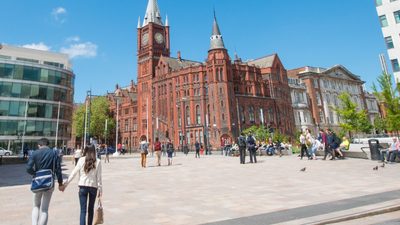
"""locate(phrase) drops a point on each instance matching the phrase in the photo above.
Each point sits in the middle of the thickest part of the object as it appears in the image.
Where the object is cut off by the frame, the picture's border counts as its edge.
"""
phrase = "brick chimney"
(179, 56)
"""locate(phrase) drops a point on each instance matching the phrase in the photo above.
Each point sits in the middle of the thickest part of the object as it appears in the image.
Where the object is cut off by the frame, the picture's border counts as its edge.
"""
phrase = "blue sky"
(100, 35)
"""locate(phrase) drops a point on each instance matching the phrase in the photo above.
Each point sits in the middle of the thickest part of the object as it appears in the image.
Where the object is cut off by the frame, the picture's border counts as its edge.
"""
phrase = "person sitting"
(392, 151)
(345, 145)
(234, 149)
(314, 148)
(270, 150)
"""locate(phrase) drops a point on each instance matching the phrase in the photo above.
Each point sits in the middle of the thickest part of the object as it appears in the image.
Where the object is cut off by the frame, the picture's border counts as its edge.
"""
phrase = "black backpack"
(242, 141)
(251, 142)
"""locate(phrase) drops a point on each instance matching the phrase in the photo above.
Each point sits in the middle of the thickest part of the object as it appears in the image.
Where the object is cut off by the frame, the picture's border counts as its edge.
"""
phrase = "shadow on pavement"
(14, 175)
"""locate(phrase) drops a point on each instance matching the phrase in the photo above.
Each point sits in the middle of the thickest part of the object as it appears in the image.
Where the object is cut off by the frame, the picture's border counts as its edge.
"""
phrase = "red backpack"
(157, 146)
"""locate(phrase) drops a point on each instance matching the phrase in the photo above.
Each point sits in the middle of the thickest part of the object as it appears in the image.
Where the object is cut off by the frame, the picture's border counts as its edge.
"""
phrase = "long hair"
(90, 160)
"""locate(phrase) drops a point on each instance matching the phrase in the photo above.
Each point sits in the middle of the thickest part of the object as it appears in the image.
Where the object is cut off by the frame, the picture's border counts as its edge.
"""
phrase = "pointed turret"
(216, 38)
(166, 21)
(138, 23)
(153, 14)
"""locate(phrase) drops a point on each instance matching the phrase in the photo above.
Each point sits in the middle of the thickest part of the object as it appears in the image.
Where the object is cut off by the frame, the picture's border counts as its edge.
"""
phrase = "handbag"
(98, 214)
(43, 180)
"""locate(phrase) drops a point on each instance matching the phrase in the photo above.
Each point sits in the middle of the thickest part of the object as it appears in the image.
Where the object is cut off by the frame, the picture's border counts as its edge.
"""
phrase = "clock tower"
(152, 43)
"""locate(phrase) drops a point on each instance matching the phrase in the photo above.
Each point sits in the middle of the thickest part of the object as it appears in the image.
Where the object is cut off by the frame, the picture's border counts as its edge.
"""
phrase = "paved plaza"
(213, 190)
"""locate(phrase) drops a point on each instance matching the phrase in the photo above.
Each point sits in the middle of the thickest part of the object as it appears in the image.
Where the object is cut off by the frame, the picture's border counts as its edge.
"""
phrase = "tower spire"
(138, 23)
(153, 14)
(216, 38)
(166, 21)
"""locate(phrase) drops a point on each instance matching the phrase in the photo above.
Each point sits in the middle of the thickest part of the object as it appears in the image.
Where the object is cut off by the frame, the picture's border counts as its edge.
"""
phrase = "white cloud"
(73, 39)
(85, 50)
(37, 46)
(59, 14)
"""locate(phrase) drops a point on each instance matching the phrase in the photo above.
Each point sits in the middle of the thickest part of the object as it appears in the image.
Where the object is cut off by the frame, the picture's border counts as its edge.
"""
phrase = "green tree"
(99, 113)
(260, 132)
(352, 120)
(380, 125)
(389, 95)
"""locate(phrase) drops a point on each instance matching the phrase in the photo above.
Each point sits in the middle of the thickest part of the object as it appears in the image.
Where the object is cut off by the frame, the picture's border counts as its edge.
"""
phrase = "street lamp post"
(117, 97)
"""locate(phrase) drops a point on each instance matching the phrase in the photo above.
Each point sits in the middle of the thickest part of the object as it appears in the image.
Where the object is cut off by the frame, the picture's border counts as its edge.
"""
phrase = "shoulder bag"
(43, 180)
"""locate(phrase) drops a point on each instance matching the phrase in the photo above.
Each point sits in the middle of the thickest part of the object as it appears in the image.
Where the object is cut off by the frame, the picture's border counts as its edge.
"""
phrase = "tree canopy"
(352, 120)
(389, 95)
(99, 113)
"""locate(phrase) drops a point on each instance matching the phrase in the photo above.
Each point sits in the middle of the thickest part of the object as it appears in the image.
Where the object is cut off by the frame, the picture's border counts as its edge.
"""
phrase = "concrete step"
(351, 214)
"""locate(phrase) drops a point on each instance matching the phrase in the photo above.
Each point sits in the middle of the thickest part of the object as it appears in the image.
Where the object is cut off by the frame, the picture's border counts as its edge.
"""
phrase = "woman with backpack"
(90, 183)
(143, 152)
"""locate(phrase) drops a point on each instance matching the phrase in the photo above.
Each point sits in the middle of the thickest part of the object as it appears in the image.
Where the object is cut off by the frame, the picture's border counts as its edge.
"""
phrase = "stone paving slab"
(198, 191)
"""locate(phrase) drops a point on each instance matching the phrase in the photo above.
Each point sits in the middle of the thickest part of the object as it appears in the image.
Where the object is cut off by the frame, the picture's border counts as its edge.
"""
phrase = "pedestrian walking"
(303, 145)
(157, 150)
(309, 144)
(242, 148)
(44, 159)
(107, 159)
(90, 183)
(77, 155)
(143, 152)
(251, 146)
(197, 147)
(170, 152)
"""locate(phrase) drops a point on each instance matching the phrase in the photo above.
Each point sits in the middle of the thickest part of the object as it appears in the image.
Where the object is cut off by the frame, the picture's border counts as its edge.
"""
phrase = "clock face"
(145, 39)
(159, 38)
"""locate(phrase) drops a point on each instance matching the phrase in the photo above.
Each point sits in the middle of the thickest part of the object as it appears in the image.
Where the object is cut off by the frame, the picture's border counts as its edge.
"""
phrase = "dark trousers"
(85, 194)
(327, 151)
(252, 154)
(390, 155)
(242, 151)
(304, 150)
(197, 153)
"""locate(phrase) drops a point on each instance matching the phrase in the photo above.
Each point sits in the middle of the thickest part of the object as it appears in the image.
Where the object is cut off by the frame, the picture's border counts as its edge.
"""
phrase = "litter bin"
(374, 148)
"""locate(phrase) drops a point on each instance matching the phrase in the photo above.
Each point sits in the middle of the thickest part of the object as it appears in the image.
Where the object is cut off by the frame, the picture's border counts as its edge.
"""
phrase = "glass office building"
(36, 98)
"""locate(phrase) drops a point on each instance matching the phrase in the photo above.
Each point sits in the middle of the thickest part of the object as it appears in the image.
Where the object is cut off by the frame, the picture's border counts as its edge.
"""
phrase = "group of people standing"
(87, 168)
(248, 143)
(158, 148)
(326, 140)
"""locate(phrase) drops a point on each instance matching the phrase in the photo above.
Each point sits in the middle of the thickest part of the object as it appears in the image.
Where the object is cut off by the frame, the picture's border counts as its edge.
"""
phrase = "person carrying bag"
(90, 183)
(44, 165)
(98, 214)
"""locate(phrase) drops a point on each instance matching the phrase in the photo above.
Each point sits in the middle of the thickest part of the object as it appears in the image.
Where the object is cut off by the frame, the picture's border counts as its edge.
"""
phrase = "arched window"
(187, 115)
(198, 118)
(242, 114)
(251, 114)
(179, 117)
(221, 74)
(209, 116)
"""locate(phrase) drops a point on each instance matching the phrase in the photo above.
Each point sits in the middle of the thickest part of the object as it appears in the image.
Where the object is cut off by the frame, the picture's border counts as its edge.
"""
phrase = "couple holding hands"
(88, 169)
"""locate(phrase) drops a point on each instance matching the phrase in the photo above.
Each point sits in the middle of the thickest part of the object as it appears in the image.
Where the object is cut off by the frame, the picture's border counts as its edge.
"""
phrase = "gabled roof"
(352, 75)
(264, 62)
(177, 64)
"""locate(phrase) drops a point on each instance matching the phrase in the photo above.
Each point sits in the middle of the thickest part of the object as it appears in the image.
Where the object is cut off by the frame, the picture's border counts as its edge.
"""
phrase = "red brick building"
(209, 101)
(127, 115)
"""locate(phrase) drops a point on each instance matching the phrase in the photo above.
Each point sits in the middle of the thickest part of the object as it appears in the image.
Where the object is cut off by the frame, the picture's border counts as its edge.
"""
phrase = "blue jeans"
(84, 193)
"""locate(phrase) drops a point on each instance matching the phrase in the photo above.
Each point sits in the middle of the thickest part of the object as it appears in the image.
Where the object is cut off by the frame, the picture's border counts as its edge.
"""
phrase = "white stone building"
(389, 17)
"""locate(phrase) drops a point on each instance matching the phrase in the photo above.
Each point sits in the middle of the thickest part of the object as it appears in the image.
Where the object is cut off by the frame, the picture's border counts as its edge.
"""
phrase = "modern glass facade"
(33, 96)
